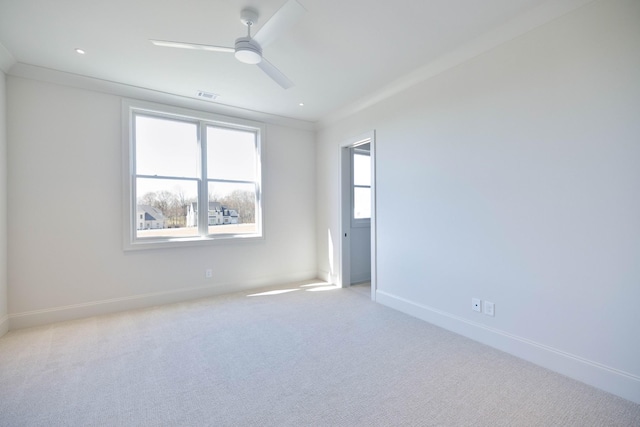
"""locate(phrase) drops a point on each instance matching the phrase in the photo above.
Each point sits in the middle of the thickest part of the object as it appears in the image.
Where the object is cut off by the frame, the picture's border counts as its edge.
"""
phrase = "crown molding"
(525, 23)
(62, 78)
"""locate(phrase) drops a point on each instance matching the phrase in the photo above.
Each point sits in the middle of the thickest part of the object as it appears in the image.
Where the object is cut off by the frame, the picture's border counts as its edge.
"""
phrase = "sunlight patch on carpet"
(276, 292)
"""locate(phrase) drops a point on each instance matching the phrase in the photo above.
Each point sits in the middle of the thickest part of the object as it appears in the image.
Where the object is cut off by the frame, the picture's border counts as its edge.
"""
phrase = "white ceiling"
(338, 53)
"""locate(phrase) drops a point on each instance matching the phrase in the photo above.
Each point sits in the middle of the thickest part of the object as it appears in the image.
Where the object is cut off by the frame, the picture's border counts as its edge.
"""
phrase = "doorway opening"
(357, 212)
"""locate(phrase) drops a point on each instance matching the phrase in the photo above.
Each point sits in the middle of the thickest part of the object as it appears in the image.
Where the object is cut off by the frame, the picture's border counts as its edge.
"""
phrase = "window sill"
(191, 242)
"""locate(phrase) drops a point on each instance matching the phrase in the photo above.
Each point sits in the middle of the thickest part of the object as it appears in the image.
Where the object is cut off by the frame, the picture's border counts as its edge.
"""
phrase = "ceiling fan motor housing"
(248, 50)
(248, 16)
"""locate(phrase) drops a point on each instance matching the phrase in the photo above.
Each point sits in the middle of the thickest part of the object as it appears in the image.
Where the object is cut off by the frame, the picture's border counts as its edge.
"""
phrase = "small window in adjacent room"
(361, 185)
(191, 177)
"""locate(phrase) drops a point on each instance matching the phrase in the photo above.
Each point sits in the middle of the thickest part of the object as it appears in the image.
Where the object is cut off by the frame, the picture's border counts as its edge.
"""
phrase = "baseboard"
(612, 380)
(4, 325)
(328, 277)
(95, 308)
(360, 278)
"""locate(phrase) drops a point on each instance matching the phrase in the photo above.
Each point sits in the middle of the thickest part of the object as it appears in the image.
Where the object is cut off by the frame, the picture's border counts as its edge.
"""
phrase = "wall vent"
(207, 95)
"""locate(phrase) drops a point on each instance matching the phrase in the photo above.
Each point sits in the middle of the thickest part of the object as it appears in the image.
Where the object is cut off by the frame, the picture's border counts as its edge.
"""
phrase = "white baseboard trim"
(612, 380)
(46, 316)
(4, 325)
(359, 278)
(328, 277)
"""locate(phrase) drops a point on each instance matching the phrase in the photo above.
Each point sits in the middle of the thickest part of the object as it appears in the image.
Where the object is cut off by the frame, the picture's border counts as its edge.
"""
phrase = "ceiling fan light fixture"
(248, 51)
(248, 56)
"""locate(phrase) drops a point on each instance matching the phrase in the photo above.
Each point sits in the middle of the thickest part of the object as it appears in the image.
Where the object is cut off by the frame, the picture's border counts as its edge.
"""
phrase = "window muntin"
(179, 162)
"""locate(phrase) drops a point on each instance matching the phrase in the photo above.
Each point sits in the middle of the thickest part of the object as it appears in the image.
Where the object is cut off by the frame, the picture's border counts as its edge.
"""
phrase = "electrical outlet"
(476, 304)
(208, 273)
(489, 308)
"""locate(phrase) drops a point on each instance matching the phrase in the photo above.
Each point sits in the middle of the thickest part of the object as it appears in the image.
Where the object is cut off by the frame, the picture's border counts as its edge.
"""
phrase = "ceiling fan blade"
(195, 46)
(275, 74)
(283, 19)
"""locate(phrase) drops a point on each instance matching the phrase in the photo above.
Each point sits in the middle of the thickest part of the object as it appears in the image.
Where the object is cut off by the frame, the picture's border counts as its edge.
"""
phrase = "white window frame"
(130, 241)
(358, 222)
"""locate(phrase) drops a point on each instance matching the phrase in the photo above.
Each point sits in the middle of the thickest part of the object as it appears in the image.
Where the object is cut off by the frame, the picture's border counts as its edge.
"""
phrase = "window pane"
(231, 154)
(166, 208)
(361, 202)
(166, 147)
(361, 169)
(232, 208)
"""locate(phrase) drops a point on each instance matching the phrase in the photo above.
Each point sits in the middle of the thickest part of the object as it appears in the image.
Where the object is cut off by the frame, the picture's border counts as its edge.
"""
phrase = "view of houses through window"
(183, 164)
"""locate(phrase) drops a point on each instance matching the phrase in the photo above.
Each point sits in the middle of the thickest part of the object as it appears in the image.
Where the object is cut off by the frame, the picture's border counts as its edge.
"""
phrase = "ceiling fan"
(249, 49)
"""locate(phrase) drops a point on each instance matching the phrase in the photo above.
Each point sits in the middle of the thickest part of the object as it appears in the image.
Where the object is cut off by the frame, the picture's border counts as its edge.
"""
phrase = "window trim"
(130, 241)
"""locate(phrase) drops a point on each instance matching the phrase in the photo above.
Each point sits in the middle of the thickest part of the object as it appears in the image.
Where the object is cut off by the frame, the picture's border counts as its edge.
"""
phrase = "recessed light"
(301, 104)
(80, 51)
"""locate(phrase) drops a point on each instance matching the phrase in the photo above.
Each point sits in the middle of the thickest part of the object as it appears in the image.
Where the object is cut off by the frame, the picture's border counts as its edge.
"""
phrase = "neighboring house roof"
(213, 206)
(151, 213)
(217, 207)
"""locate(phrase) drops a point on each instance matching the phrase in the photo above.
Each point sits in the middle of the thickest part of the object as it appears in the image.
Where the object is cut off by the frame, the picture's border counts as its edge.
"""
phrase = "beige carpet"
(292, 356)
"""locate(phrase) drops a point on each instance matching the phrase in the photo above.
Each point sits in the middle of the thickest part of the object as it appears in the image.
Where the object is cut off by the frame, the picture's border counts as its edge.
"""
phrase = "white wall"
(522, 167)
(65, 250)
(4, 320)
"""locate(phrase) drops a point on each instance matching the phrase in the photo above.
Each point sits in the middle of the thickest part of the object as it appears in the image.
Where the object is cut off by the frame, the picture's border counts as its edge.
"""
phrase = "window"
(191, 177)
(361, 185)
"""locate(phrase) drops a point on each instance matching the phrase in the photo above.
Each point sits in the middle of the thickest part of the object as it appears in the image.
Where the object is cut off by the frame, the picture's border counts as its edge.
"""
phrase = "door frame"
(344, 264)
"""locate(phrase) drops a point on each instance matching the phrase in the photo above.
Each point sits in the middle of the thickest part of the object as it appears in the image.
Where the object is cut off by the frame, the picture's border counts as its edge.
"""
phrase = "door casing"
(344, 276)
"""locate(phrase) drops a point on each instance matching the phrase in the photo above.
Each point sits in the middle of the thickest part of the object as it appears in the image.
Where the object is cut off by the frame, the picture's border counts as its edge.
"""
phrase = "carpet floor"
(297, 355)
